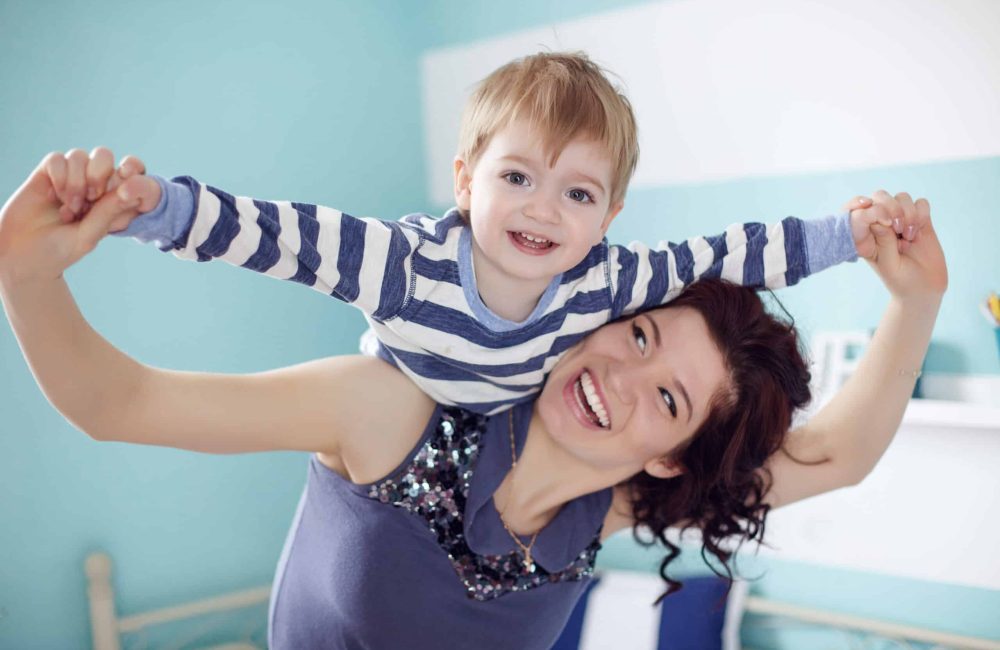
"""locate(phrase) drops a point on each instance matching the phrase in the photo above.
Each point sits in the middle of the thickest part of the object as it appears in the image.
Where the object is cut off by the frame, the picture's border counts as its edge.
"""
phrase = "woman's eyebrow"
(680, 386)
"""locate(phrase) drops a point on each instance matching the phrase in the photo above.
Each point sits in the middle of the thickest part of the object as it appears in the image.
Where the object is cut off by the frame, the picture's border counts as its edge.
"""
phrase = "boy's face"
(529, 220)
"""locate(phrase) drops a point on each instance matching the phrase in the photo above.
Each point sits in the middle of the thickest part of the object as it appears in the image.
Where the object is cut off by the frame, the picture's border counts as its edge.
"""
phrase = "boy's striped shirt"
(414, 281)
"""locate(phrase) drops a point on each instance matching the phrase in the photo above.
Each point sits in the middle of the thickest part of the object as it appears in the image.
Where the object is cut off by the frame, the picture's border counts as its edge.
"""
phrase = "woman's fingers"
(108, 210)
(909, 215)
(76, 179)
(99, 170)
(54, 167)
(895, 210)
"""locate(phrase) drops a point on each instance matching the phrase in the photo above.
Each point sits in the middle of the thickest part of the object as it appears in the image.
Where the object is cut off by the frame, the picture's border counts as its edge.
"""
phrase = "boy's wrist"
(829, 241)
(165, 224)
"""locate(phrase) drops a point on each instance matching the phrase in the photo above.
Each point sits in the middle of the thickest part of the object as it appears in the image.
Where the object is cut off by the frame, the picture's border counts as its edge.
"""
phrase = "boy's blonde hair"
(563, 95)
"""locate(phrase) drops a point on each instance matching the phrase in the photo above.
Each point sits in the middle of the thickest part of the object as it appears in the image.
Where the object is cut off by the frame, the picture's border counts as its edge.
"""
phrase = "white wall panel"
(727, 89)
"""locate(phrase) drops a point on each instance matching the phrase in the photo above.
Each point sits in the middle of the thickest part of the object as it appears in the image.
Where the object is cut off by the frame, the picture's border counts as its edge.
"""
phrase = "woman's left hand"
(916, 270)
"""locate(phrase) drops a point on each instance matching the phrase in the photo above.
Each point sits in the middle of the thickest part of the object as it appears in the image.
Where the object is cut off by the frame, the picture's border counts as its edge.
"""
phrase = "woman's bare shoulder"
(382, 423)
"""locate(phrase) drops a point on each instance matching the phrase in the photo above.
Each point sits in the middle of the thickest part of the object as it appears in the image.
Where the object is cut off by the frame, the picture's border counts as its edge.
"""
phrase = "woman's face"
(631, 392)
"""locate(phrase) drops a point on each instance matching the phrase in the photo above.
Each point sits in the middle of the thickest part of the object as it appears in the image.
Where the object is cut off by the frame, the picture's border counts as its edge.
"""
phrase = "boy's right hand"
(79, 180)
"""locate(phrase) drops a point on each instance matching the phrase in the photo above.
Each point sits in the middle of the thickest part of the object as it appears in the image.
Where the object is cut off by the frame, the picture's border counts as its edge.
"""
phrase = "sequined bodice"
(420, 559)
(436, 487)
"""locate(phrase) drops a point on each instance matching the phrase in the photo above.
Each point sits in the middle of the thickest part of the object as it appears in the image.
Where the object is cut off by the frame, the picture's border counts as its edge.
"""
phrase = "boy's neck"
(506, 296)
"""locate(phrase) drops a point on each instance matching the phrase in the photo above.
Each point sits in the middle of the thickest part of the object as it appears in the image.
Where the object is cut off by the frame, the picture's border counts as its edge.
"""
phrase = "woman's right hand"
(39, 242)
(919, 271)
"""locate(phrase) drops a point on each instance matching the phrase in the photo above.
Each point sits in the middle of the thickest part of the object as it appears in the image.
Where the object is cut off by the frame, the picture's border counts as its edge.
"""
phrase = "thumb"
(886, 246)
(98, 221)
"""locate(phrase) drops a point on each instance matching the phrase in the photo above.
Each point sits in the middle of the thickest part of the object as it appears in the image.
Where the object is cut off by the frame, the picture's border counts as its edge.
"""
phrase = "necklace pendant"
(528, 564)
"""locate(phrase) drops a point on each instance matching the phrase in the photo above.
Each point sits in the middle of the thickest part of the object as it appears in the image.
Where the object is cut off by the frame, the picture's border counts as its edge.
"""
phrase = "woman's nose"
(621, 380)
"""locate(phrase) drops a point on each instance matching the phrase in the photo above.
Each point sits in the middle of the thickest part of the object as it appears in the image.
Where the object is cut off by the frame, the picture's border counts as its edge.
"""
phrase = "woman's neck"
(546, 477)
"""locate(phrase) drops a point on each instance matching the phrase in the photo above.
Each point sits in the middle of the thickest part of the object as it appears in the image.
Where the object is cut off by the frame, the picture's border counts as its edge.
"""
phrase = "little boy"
(476, 307)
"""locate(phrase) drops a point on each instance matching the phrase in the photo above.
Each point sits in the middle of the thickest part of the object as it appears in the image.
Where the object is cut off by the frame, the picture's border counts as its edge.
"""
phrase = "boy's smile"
(532, 218)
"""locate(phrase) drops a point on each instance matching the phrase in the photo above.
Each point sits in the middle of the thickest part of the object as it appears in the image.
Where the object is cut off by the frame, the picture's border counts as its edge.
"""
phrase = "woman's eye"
(640, 337)
(516, 178)
(581, 196)
(669, 399)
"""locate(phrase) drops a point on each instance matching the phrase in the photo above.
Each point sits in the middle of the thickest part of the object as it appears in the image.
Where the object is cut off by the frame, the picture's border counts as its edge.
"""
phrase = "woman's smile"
(587, 402)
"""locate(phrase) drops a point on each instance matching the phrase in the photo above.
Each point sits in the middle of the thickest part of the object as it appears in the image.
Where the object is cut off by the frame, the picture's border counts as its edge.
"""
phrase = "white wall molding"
(728, 89)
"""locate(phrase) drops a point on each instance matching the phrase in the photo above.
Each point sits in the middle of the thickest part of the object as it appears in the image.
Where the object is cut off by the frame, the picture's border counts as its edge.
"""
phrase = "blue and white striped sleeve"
(750, 254)
(365, 262)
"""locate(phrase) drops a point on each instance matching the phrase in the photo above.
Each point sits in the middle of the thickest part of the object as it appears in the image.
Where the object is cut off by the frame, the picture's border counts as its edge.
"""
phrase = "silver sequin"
(435, 486)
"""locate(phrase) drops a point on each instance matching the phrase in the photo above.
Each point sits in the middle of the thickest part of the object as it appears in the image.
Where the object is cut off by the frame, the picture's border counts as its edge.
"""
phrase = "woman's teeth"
(593, 402)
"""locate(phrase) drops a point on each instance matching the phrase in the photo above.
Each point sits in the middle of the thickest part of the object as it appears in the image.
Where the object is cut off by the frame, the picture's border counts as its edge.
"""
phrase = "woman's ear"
(463, 184)
(665, 467)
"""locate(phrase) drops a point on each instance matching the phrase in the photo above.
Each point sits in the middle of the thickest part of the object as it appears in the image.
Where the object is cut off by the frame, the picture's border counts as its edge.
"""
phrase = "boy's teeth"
(537, 240)
(592, 399)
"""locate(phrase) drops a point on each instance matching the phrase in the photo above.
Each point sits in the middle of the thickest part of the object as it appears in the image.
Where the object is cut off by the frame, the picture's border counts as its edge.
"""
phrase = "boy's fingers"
(856, 203)
(875, 214)
(130, 166)
(76, 178)
(142, 190)
(99, 170)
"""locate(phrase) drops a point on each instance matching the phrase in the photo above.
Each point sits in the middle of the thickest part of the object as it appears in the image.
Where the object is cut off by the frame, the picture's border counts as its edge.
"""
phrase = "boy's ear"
(463, 184)
(665, 467)
(610, 216)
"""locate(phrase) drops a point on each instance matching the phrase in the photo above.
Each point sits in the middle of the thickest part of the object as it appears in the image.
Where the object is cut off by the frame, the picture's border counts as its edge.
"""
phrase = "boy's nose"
(543, 211)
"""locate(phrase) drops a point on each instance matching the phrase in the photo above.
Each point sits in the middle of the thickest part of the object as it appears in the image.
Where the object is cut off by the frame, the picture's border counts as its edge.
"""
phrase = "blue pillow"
(694, 618)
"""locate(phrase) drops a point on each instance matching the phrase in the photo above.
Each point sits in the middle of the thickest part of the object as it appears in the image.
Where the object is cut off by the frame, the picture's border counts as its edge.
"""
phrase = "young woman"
(426, 526)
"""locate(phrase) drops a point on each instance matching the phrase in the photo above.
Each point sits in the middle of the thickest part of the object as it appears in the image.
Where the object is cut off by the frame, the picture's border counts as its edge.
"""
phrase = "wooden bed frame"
(107, 627)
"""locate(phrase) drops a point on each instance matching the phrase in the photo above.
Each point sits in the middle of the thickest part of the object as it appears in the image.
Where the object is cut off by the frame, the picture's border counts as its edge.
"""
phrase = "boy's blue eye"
(581, 196)
(640, 337)
(516, 178)
(669, 399)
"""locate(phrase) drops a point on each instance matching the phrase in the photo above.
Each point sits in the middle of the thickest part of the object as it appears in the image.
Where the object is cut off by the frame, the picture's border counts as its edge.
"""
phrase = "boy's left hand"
(897, 212)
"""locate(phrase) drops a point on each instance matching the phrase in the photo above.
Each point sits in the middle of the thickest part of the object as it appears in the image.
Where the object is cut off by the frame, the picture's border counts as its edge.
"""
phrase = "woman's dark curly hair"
(722, 486)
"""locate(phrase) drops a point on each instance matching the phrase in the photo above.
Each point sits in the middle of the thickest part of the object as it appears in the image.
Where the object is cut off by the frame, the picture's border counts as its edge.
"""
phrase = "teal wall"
(319, 102)
(315, 101)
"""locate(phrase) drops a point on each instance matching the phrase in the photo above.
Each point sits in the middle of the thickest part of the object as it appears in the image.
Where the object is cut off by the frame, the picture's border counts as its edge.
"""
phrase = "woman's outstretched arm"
(846, 438)
(110, 396)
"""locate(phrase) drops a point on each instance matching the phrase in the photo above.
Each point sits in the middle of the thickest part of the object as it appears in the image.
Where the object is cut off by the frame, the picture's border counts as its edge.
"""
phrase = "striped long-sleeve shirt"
(414, 281)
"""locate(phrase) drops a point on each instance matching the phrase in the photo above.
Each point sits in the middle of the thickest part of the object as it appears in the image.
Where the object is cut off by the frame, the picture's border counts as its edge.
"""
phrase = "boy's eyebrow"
(591, 180)
(519, 159)
(656, 337)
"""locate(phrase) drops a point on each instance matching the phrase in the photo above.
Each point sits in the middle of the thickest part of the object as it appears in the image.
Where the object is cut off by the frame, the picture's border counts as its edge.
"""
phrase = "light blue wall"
(318, 102)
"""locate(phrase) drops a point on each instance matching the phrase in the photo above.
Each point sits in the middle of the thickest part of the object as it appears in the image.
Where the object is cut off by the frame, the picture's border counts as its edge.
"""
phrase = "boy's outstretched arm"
(111, 396)
(365, 262)
(750, 254)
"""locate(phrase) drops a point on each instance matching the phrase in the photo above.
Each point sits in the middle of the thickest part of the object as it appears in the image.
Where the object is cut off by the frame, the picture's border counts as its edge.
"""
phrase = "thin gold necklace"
(528, 564)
